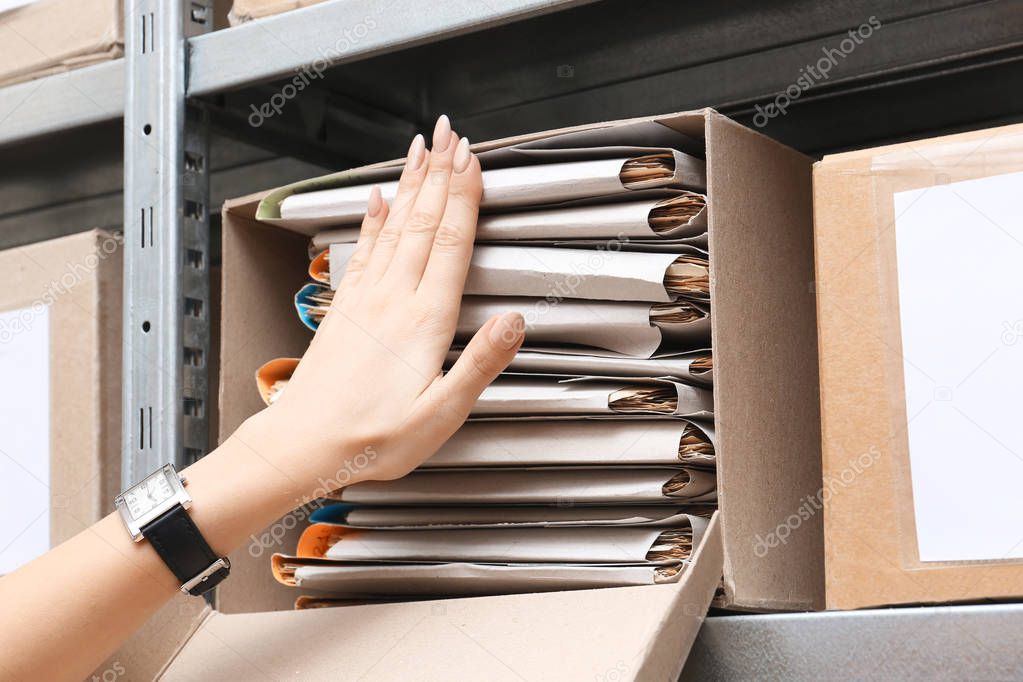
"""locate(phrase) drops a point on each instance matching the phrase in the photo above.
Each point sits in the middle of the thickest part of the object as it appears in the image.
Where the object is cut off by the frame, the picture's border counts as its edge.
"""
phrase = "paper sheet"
(24, 436)
(960, 259)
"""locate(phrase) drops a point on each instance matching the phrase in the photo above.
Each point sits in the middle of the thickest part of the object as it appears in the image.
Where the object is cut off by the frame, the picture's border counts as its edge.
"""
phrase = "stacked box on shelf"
(44, 37)
(247, 10)
(766, 451)
(60, 353)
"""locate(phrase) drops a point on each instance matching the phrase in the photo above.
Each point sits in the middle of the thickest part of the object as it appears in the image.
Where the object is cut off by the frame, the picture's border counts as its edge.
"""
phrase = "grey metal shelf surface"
(67, 100)
(329, 34)
(317, 37)
(616, 59)
(978, 642)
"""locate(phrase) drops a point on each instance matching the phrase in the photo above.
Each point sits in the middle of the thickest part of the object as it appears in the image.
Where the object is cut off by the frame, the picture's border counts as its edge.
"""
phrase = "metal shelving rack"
(170, 59)
(502, 67)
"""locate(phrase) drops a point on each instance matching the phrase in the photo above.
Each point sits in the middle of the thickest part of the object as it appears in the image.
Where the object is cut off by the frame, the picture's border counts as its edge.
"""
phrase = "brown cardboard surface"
(262, 267)
(79, 278)
(154, 645)
(870, 536)
(765, 365)
(51, 36)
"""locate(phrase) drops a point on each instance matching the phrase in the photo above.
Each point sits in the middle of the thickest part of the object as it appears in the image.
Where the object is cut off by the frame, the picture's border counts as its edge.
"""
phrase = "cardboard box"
(874, 531)
(247, 10)
(60, 315)
(46, 37)
(766, 406)
(53, 36)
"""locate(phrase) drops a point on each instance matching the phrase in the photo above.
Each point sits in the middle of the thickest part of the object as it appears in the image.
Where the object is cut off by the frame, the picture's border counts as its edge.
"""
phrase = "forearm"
(67, 611)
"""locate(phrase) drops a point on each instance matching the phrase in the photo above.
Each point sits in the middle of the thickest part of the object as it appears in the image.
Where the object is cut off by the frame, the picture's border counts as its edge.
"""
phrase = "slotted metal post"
(166, 230)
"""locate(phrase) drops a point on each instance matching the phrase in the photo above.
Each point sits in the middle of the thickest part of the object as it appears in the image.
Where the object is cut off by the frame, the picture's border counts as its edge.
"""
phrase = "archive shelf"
(385, 68)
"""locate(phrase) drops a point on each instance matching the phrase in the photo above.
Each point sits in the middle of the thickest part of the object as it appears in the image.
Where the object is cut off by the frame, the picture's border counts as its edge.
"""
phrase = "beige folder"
(623, 327)
(536, 443)
(557, 273)
(637, 139)
(518, 396)
(539, 486)
(670, 218)
(564, 544)
(694, 367)
(409, 518)
(462, 579)
(518, 187)
(695, 245)
(529, 397)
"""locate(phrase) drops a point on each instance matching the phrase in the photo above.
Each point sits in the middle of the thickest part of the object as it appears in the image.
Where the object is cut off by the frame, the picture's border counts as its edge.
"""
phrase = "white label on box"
(7, 5)
(960, 262)
(24, 435)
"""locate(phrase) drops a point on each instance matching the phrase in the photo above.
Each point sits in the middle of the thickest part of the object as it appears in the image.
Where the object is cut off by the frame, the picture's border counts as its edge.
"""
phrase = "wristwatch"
(155, 510)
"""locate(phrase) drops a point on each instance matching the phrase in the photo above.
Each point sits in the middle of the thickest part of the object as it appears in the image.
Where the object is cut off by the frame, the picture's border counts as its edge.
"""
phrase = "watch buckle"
(203, 576)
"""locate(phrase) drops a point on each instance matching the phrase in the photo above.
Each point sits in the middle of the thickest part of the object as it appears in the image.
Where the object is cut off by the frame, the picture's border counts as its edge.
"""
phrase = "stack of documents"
(591, 461)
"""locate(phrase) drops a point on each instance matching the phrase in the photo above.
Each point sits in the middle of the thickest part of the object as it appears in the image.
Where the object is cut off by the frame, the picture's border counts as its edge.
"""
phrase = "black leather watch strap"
(182, 547)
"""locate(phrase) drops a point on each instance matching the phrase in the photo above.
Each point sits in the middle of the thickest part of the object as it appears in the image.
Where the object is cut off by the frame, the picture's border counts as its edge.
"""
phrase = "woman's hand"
(368, 400)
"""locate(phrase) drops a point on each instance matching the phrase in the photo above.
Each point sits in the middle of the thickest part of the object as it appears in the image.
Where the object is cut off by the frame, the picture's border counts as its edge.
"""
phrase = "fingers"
(409, 261)
(372, 222)
(487, 354)
(408, 189)
(444, 276)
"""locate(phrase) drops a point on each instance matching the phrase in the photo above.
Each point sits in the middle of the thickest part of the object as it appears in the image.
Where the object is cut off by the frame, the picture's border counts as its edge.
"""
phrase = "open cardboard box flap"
(767, 414)
(635, 632)
(642, 633)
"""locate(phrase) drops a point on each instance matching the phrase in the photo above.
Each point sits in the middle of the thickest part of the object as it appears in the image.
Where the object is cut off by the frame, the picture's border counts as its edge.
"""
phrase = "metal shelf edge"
(931, 642)
(306, 41)
(91, 94)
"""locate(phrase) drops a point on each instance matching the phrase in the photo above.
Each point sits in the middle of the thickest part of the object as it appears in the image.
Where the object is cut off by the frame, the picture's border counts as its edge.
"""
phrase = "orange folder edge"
(319, 268)
(271, 372)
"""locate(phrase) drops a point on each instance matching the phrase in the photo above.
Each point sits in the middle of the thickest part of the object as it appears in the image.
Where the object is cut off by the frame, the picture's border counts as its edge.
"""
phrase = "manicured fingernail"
(462, 155)
(375, 202)
(508, 331)
(442, 133)
(416, 153)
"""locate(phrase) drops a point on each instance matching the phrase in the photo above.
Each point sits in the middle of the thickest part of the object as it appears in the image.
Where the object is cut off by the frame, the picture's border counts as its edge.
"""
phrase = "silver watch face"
(151, 497)
(148, 495)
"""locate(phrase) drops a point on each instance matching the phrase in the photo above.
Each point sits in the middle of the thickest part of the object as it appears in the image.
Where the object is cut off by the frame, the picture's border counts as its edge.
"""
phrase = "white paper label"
(24, 436)
(960, 262)
(7, 5)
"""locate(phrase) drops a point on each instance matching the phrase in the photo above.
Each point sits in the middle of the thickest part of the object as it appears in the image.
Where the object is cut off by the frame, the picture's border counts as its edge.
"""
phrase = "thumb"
(446, 403)
(484, 358)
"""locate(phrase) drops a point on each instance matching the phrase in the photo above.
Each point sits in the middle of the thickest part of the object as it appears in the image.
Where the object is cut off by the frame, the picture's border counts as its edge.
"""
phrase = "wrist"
(317, 461)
